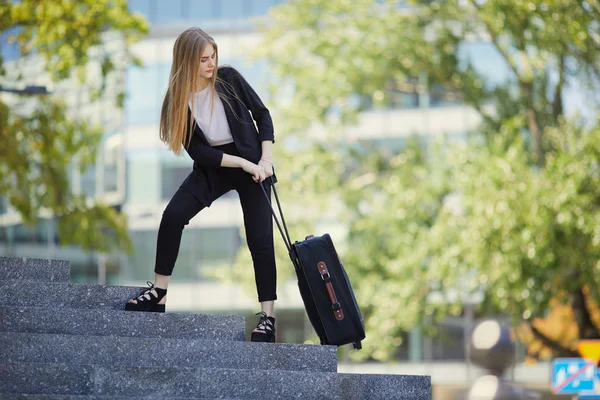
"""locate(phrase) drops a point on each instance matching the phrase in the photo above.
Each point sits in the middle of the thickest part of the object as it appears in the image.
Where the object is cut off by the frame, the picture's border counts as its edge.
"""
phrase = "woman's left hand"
(267, 165)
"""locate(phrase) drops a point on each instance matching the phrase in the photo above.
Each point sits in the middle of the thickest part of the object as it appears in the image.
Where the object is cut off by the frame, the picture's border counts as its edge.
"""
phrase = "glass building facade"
(160, 12)
(137, 173)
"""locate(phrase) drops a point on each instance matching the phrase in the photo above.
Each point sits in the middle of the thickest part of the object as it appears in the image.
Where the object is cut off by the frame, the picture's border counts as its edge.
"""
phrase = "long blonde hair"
(183, 79)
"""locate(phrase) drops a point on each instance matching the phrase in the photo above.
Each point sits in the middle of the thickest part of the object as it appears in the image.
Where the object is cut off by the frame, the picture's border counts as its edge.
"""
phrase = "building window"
(168, 11)
(86, 271)
(88, 182)
(110, 162)
(403, 99)
(232, 9)
(205, 249)
(143, 175)
(141, 263)
(33, 234)
(145, 7)
(111, 176)
(200, 251)
(448, 344)
(202, 9)
(441, 97)
(172, 176)
(3, 205)
(261, 7)
(165, 12)
(145, 88)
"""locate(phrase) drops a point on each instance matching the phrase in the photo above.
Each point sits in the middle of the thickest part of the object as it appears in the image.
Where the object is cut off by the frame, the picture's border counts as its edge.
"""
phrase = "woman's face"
(208, 62)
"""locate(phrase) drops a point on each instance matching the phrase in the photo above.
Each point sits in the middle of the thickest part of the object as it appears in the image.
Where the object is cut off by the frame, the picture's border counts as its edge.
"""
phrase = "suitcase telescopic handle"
(286, 237)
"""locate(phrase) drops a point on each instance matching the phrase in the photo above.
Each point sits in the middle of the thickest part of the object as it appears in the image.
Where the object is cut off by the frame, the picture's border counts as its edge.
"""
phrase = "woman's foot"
(265, 330)
(152, 299)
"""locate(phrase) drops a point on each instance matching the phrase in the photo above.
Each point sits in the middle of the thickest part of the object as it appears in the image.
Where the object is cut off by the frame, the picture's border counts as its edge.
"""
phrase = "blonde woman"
(206, 111)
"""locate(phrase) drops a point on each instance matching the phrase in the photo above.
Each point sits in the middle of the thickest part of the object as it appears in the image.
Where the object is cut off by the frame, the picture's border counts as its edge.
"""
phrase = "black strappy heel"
(265, 330)
(148, 300)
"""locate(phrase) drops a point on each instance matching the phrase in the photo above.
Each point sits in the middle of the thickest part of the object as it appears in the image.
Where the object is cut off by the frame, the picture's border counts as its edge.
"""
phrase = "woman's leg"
(178, 213)
(258, 224)
(268, 307)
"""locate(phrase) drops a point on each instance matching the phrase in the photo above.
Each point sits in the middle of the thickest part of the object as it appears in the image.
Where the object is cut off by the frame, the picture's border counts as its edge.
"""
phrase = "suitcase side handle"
(335, 304)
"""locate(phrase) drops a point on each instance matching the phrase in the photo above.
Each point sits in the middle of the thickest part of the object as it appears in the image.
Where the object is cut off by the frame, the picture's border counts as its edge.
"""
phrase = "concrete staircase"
(71, 341)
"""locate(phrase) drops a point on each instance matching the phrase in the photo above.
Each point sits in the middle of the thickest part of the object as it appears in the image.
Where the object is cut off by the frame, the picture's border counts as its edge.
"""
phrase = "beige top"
(216, 129)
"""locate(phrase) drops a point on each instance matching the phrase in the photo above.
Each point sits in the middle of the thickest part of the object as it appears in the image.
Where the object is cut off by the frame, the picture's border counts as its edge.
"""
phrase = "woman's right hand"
(258, 173)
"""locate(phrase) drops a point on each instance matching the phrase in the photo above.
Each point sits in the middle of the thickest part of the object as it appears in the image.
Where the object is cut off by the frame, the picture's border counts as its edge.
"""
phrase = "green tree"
(512, 214)
(40, 136)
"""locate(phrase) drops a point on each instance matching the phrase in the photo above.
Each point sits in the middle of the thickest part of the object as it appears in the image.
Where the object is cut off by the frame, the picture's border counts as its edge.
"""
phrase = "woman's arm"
(252, 101)
(232, 161)
(267, 150)
(204, 155)
(207, 156)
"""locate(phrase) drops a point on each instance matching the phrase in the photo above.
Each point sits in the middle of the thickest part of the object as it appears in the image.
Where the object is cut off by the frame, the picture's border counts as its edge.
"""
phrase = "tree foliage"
(557, 335)
(40, 137)
(511, 215)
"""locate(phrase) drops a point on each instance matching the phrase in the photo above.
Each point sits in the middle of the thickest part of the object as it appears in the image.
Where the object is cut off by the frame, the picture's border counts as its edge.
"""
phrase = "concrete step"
(35, 269)
(384, 387)
(59, 294)
(161, 352)
(129, 382)
(106, 322)
(6, 396)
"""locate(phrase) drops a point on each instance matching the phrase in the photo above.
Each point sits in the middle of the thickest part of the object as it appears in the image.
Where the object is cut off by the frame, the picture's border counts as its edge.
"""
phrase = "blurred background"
(449, 147)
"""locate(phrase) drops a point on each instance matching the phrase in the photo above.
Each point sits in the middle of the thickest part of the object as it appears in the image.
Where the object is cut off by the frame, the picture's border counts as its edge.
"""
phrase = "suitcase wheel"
(357, 345)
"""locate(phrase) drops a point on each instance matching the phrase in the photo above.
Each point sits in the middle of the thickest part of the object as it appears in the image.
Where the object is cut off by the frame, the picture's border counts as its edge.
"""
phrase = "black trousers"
(258, 224)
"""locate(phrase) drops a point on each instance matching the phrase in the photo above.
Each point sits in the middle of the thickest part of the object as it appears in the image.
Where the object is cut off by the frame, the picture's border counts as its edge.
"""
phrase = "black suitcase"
(324, 285)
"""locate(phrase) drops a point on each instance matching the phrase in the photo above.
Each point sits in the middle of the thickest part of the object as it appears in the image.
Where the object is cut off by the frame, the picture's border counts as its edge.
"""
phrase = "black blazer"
(207, 160)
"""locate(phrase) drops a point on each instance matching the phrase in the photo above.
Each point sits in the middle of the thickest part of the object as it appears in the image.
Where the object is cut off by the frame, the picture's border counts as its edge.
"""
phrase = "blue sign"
(595, 394)
(573, 376)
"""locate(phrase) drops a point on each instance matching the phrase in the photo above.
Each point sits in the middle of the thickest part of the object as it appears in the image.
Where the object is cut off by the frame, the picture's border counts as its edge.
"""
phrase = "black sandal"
(148, 300)
(265, 330)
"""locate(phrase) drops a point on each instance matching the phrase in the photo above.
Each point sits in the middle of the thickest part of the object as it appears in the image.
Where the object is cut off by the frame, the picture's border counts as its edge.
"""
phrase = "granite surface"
(46, 379)
(5, 396)
(35, 269)
(132, 382)
(384, 387)
(161, 352)
(65, 341)
(107, 322)
(253, 384)
(58, 295)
